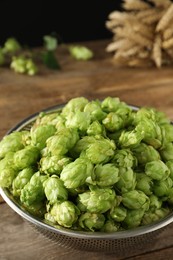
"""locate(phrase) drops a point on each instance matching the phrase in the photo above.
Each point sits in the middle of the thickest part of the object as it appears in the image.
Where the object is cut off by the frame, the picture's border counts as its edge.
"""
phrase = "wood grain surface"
(21, 96)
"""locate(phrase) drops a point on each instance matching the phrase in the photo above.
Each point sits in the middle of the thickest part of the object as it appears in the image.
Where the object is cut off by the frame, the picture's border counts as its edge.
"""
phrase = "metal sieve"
(121, 242)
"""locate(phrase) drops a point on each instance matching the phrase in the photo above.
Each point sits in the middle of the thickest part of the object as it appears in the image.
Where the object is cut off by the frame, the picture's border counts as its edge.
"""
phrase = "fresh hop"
(93, 166)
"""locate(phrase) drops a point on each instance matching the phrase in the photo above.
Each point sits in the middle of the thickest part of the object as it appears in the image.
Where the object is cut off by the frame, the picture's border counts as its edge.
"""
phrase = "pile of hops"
(143, 33)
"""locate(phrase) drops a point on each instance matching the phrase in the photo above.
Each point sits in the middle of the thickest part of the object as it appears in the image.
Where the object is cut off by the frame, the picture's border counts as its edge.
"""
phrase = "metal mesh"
(122, 246)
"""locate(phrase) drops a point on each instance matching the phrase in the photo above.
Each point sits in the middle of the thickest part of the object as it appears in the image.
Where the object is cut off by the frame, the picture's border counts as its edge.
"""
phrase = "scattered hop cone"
(23, 65)
(80, 52)
(11, 46)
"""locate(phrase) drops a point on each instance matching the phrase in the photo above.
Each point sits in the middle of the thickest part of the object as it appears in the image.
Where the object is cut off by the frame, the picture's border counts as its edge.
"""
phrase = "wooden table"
(22, 95)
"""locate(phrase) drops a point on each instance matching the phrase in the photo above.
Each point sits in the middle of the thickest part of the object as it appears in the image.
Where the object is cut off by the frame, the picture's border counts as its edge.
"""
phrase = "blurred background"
(71, 21)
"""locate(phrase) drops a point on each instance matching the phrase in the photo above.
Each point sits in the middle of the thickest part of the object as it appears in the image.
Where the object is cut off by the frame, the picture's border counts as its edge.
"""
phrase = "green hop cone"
(106, 175)
(118, 213)
(167, 152)
(169, 164)
(49, 218)
(23, 65)
(81, 145)
(65, 213)
(145, 113)
(110, 226)
(169, 198)
(152, 216)
(110, 104)
(115, 136)
(21, 180)
(101, 151)
(145, 153)
(26, 138)
(7, 161)
(31, 68)
(130, 139)
(155, 202)
(74, 105)
(124, 158)
(26, 157)
(157, 170)
(11, 45)
(54, 190)
(133, 218)
(144, 183)
(7, 176)
(37, 209)
(7, 170)
(33, 191)
(91, 221)
(95, 128)
(95, 111)
(163, 187)
(11, 143)
(126, 113)
(166, 134)
(78, 120)
(77, 173)
(62, 142)
(80, 52)
(18, 64)
(53, 164)
(40, 134)
(98, 201)
(113, 122)
(150, 131)
(48, 119)
(135, 199)
(127, 180)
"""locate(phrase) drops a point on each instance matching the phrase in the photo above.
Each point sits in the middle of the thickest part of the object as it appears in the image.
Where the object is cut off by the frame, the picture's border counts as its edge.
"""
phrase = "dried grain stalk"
(142, 33)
